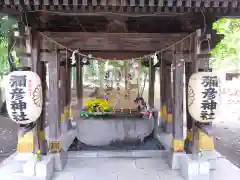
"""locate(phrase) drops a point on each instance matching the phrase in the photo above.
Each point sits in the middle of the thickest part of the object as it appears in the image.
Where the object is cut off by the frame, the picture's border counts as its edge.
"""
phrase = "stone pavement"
(134, 168)
(8, 136)
(227, 139)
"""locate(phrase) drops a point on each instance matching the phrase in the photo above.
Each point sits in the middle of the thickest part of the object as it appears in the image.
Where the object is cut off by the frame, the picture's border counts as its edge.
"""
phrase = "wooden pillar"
(151, 83)
(27, 137)
(178, 87)
(54, 98)
(79, 82)
(62, 97)
(39, 67)
(190, 68)
(68, 79)
(188, 143)
(163, 105)
(168, 99)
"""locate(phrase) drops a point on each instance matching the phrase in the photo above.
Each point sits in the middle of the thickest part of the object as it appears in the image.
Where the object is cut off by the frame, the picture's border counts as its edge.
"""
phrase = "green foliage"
(226, 51)
(6, 25)
(115, 63)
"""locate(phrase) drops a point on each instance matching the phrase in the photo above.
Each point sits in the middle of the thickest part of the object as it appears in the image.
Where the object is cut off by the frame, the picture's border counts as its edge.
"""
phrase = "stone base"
(60, 160)
(165, 139)
(211, 157)
(97, 132)
(168, 127)
(194, 169)
(45, 168)
(26, 167)
(174, 159)
(67, 138)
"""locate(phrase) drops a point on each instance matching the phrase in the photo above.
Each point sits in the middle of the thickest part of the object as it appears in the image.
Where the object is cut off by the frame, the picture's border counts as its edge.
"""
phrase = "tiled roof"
(129, 6)
(132, 3)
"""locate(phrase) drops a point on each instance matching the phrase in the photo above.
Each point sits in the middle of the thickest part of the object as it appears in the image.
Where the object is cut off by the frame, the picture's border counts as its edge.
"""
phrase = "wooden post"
(39, 67)
(194, 68)
(166, 97)
(79, 83)
(68, 91)
(188, 71)
(54, 97)
(168, 100)
(151, 83)
(62, 96)
(27, 137)
(191, 67)
(178, 86)
(163, 108)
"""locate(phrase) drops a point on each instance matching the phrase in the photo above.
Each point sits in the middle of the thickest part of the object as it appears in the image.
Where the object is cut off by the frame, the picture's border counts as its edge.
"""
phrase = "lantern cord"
(101, 59)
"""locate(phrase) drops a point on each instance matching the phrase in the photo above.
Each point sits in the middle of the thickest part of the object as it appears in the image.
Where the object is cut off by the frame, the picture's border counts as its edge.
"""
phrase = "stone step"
(118, 154)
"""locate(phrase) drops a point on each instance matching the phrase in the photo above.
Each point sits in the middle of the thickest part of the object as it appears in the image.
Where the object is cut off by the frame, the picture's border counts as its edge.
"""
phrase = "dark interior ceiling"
(171, 23)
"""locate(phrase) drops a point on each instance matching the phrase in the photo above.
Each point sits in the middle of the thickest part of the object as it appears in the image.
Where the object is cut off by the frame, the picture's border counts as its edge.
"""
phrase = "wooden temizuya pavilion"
(117, 39)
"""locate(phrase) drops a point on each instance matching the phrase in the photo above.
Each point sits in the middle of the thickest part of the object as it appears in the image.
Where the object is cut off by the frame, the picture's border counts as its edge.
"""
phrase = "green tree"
(227, 51)
(6, 25)
(3, 47)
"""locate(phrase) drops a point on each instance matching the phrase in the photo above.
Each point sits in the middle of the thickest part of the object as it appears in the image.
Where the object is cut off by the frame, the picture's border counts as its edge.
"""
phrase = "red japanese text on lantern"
(30, 87)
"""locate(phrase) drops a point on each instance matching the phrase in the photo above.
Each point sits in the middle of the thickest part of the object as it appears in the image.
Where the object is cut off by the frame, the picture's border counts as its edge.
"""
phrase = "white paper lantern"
(23, 96)
(203, 96)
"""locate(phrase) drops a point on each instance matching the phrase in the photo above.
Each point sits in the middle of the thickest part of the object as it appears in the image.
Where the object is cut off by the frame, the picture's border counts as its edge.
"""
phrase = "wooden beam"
(86, 41)
(121, 55)
(110, 55)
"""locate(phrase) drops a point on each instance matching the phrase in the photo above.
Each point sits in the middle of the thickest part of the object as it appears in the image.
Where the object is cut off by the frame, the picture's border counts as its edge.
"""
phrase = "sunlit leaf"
(228, 49)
